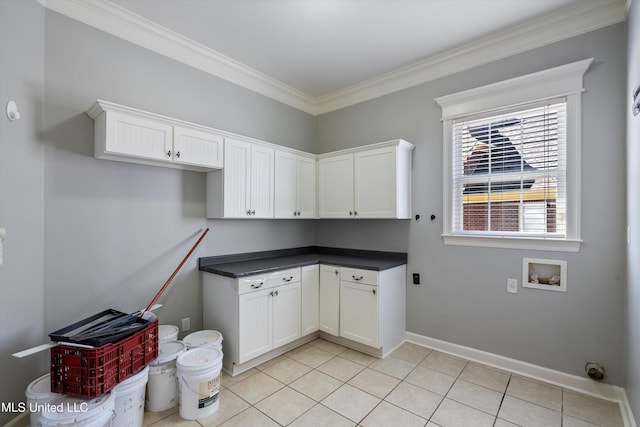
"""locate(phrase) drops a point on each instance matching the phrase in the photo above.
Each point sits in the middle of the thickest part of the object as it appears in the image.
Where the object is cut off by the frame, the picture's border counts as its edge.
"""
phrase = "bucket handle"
(192, 390)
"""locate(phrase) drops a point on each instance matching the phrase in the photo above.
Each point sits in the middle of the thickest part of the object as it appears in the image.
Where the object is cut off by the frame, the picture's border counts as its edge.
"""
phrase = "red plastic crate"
(92, 372)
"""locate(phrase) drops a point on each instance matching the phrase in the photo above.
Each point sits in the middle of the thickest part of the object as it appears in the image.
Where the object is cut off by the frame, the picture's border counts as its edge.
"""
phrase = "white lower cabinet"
(373, 307)
(310, 283)
(286, 303)
(268, 317)
(255, 314)
(256, 324)
(359, 313)
(259, 314)
(330, 299)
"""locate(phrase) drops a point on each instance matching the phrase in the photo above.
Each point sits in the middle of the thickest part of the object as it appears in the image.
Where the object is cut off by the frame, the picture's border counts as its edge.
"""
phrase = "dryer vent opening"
(594, 370)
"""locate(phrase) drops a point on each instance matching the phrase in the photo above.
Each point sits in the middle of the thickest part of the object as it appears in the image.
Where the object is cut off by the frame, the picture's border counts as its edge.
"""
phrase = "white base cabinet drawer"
(357, 275)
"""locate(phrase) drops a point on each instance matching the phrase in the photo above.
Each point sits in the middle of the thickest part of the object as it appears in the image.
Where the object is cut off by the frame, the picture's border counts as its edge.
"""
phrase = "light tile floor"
(325, 384)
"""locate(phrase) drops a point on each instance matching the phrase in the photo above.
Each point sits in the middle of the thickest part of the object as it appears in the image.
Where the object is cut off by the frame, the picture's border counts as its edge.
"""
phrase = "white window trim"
(564, 81)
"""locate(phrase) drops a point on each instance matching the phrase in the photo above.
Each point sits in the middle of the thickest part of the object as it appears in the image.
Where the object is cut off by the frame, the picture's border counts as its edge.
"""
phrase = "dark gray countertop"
(247, 264)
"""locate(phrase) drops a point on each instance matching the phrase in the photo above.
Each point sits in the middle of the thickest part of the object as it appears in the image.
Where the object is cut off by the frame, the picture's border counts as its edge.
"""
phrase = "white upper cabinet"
(245, 187)
(262, 181)
(369, 182)
(295, 185)
(259, 179)
(196, 147)
(130, 135)
(335, 186)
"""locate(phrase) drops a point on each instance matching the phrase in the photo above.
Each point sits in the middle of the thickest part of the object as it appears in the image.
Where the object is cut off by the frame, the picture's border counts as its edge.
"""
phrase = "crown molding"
(583, 17)
(120, 22)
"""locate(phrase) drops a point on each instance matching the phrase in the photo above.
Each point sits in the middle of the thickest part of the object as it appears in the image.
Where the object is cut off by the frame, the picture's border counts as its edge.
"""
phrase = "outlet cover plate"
(512, 286)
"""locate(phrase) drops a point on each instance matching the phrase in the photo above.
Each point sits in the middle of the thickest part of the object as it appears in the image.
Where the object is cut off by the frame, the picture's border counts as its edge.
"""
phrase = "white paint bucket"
(204, 338)
(69, 411)
(162, 388)
(199, 382)
(129, 404)
(167, 333)
(38, 393)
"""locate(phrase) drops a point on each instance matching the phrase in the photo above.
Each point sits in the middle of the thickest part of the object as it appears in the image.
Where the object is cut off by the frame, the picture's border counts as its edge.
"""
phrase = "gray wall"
(632, 342)
(114, 232)
(463, 297)
(21, 196)
(87, 234)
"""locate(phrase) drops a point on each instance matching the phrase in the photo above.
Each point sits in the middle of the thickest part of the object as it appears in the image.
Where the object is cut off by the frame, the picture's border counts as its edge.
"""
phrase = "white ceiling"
(319, 51)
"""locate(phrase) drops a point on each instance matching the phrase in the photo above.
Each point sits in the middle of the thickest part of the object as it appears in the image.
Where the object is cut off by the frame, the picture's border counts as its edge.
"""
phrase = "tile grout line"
(504, 394)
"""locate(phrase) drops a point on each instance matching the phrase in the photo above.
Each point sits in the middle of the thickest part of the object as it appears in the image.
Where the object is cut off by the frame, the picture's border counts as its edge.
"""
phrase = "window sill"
(557, 245)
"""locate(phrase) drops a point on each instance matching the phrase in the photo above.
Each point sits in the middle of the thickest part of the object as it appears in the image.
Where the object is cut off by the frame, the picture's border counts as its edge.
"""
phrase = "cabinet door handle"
(276, 293)
(271, 293)
(357, 278)
(355, 213)
(178, 154)
(337, 272)
(253, 212)
(287, 279)
(169, 153)
(374, 291)
(258, 286)
(350, 213)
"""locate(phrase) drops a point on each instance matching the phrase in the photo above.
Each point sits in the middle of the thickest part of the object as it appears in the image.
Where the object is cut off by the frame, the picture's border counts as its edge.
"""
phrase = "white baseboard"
(572, 382)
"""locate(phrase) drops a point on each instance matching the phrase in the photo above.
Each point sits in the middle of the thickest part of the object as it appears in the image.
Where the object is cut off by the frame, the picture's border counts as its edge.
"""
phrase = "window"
(512, 162)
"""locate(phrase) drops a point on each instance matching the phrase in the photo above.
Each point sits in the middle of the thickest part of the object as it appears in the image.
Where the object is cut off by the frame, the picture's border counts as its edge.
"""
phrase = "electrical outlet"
(512, 286)
(416, 278)
(186, 324)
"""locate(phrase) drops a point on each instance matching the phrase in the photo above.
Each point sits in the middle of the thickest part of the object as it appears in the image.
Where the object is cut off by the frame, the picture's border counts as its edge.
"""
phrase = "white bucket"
(199, 382)
(204, 338)
(167, 333)
(162, 388)
(129, 404)
(38, 393)
(69, 411)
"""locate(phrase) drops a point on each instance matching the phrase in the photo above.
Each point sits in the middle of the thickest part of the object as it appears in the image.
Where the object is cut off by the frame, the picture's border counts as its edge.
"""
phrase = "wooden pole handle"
(153, 301)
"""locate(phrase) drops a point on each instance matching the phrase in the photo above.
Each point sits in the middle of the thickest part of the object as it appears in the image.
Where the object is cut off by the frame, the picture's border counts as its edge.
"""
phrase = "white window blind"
(509, 172)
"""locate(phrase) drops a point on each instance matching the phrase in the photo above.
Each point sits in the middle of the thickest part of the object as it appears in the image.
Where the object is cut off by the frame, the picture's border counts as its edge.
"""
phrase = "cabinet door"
(255, 314)
(286, 313)
(197, 147)
(285, 185)
(310, 299)
(359, 313)
(330, 299)
(135, 136)
(306, 188)
(375, 183)
(237, 158)
(261, 171)
(335, 186)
